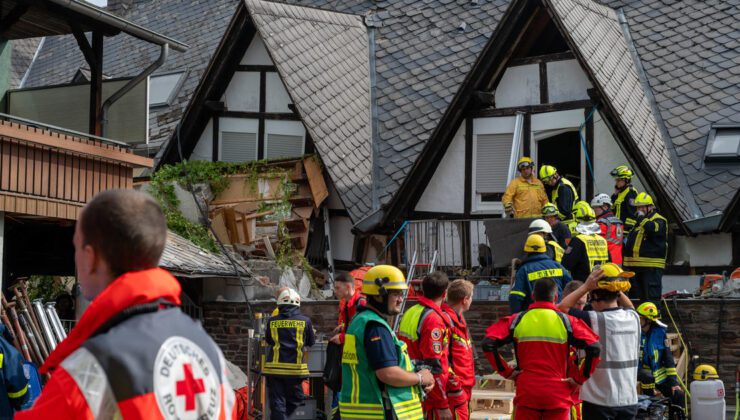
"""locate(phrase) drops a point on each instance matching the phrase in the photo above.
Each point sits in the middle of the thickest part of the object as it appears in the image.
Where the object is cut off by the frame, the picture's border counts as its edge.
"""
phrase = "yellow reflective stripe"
(542, 338)
(2, 358)
(541, 325)
(644, 262)
(299, 342)
(596, 249)
(671, 372)
(355, 397)
(541, 274)
(516, 292)
(361, 411)
(276, 339)
(18, 394)
(285, 372)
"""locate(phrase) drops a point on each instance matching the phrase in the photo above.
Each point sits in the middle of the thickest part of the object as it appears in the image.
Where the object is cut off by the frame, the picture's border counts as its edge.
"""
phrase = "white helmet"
(601, 200)
(539, 225)
(289, 297)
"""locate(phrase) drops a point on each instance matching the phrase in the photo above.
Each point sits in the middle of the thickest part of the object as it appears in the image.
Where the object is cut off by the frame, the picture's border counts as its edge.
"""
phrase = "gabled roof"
(332, 95)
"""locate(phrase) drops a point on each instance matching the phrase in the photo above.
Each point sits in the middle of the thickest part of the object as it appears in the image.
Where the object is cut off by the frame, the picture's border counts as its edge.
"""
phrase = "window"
(492, 154)
(281, 145)
(238, 147)
(723, 145)
(163, 88)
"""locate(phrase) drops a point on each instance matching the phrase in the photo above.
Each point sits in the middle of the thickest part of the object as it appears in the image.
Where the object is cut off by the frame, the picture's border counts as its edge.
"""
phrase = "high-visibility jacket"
(347, 310)
(564, 196)
(133, 355)
(425, 329)
(584, 252)
(612, 231)
(554, 250)
(647, 243)
(656, 356)
(535, 267)
(13, 381)
(287, 334)
(362, 395)
(623, 208)
(461, 348)
(542, 336)
(527, 196)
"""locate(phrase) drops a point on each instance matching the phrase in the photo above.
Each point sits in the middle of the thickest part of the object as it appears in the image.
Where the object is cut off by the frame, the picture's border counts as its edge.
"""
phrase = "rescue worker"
(459, 299)
(658, 369)
(133, 354)
(542, 228)
(536, 265)
(611, 227)
(14, 385)
(378, 378)
(349, 300)
(646, 250)
(623, 195)
(575, 355)
(560, 231)
(611, 393)
(287, 334)
(425, 329)
(542, 337)
(525, 194)
(588, 249)
(563, 194)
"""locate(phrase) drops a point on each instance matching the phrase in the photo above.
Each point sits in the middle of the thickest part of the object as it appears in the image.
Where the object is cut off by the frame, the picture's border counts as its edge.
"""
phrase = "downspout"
(163, 53)
(373, 114)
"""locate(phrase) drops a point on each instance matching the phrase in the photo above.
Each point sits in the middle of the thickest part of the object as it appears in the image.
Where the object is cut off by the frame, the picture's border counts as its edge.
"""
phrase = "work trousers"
(526, 413)
(647, 284)
(286, 394)
(460, 403)
(648, 386)
(599, 412)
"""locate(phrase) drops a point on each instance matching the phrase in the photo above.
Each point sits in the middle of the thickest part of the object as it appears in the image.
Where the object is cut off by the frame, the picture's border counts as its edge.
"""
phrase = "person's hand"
(336, 339)
(427, 380)
(444, 414)
(337, 329)
(509, 209)
(676, 388)
(592, 282)
(572, 382)
(514, 374)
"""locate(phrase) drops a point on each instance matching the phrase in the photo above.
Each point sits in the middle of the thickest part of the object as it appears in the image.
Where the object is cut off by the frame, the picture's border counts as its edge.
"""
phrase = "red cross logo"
(189, 387)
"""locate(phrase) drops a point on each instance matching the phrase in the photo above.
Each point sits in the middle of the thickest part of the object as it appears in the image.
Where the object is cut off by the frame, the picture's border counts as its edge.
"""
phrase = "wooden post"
(96, 85)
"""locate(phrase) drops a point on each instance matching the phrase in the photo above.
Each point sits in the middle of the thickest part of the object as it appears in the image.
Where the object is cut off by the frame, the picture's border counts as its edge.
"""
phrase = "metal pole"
(48, 334)
(56, 323)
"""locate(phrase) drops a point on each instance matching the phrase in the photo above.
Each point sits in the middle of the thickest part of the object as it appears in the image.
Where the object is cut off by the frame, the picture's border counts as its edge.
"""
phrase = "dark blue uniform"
(287, 334)
(535, 267)
(14, 382)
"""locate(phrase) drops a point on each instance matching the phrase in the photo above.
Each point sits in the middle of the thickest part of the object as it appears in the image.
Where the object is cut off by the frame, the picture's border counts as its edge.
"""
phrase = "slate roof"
(199, 23)
(182, 258)
(21, 56)
(332, 95)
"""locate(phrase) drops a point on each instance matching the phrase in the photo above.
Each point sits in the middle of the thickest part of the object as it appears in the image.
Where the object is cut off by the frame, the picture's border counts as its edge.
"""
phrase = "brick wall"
(228, 323)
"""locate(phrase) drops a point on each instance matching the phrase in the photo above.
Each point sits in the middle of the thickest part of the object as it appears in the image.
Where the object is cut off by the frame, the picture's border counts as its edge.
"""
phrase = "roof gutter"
(123, 25)
(707, 224)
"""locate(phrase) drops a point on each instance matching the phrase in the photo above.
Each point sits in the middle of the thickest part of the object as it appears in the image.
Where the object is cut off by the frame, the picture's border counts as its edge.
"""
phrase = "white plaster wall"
(519, 86)
(342, 239)
(445, 192)
(276, 96)
(566, 81)
(256, 53)
(704, 250)
(243, 92)
(607, 156)
(204, 148)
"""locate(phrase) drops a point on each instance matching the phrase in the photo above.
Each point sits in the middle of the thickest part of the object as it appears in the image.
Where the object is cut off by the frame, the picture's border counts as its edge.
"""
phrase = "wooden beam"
(216, 137)
(527, 135)
(544, 95)
(96, 86)
(263, 115)
(590, 150)
(256, 68)
(261, 123)
(468, 198)
(547, 58)
(13, 16)
(84, 45)
(532, 109)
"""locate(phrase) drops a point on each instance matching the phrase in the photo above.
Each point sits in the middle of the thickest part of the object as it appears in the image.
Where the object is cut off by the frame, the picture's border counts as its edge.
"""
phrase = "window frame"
(485, 126)
(720, 158)
(173, 93)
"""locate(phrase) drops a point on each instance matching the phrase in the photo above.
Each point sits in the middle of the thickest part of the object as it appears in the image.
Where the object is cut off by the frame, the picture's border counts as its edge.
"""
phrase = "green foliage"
(46, 288)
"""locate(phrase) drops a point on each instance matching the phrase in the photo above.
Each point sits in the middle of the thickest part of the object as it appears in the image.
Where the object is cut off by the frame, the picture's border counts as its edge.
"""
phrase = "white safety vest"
(614, 383)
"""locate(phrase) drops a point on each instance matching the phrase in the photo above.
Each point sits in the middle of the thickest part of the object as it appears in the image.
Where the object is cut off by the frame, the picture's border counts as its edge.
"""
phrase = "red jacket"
(347, 310)
(432, 348)
(100, 373)
(612, 231)
(542, 346)
(461, 348)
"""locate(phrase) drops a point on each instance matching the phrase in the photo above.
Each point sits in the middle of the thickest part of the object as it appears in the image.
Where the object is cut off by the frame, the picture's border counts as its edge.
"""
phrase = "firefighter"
(287, 335)
(378, 378)
(459, 298)
(588, 249)
(658, 367)
(646, 250)
(542, 228)
(611, 393)
(525, 195)
(536, 265)
(542, 337)
(425, 328)
(349, 300)
(563, 194)
(133, 354)
(611, 227)
(560, 231)
(14, 385)
(623, 195)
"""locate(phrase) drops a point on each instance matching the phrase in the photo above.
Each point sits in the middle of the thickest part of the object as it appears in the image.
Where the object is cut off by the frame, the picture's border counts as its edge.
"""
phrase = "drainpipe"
(163, 52)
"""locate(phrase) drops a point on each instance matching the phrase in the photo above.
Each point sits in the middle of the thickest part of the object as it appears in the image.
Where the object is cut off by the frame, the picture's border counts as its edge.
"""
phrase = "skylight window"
(163, 88)
(723, 144)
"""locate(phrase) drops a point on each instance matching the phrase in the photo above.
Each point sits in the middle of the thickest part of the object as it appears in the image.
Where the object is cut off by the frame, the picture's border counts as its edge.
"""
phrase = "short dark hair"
(435, 284)
(126, 227)
(545, 290)
(459, 289)
(604, 295)
(344, 277)
(571, 287)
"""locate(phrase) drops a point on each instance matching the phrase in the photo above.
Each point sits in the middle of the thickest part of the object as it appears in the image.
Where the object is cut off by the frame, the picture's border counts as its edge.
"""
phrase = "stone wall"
(702, 324)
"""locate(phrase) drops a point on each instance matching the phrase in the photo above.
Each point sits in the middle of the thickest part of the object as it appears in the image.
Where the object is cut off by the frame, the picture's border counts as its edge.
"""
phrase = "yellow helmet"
(386, 277)
(622, 172)
(615, 279)
(546, 172)
(582, 211)
(649, 311)
(704, 372)
(535, 244)
(549, 209)
(643, 199)
(524, 162)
